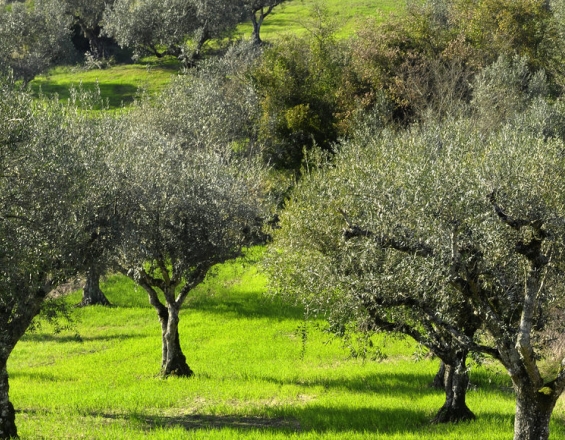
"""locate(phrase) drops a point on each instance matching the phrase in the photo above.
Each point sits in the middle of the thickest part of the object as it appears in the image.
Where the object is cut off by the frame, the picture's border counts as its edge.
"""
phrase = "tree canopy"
(418, 225)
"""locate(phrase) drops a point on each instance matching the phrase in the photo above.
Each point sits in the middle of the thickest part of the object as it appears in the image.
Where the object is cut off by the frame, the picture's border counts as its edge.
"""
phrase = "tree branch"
(401, 245)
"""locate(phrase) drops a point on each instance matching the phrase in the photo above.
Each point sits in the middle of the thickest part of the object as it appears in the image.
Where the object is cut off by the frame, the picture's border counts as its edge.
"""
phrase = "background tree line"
(416, 169)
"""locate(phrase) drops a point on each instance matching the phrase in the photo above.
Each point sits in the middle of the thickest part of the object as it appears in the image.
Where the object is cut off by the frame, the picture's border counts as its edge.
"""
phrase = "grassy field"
(256, 376)
(120, 84)
(293, 17)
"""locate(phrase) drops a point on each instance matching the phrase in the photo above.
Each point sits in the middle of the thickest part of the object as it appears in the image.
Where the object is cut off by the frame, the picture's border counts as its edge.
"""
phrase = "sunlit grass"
(119, 85)
(293, 17)
(256, 376)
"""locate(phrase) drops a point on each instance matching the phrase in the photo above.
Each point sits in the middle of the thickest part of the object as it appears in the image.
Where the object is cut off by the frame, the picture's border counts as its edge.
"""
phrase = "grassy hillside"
(258, 375)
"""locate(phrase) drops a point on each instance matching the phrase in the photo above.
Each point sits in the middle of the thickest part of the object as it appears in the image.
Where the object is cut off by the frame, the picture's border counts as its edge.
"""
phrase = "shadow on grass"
(195, 422)
(398, 383)
(116, 94)
(413, 385)
(33, 337)
(248, 305)
(305, 419)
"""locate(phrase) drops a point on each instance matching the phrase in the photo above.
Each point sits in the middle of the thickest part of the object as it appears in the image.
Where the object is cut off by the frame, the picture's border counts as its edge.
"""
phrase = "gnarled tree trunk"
(173, 361)
(456, 380)
(91, 293)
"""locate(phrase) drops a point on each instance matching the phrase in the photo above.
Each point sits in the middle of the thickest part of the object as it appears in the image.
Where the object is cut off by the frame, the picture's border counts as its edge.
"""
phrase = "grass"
(293, 17)
(118, 85)
(254, 376)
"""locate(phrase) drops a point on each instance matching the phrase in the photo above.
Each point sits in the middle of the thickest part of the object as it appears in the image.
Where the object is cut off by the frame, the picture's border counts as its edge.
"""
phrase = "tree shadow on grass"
(42, 337)
(253, 305)
(413, 385)
(408, 384)
(306, 419)
(116, 94)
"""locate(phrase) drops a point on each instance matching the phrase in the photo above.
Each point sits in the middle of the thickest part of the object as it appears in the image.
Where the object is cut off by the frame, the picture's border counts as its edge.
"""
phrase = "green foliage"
(425, 59)
(429, 227)
(298, 82)
(173, 27)
(33, 37)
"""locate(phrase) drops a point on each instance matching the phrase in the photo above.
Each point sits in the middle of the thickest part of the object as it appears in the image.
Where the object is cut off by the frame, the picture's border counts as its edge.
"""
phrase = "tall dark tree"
(87, 15)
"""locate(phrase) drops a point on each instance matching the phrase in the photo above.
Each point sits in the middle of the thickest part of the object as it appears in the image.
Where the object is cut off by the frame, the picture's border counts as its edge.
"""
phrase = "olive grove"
(174, 27)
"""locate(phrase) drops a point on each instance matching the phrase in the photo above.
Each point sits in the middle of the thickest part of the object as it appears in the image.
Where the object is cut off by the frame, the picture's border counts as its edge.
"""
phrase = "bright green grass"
(254, 377)
(119, 85)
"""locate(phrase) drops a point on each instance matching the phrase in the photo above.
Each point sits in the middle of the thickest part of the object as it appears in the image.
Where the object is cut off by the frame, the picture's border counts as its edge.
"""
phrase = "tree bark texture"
(91, 293)
(7, 413)
(456, 380)
(533, 412)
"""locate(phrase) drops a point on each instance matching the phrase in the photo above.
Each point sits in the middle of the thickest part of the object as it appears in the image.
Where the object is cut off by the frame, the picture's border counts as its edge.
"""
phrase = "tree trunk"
(439, 379)
(255, 36)
(173, 360)
(91, 293)
(7, 413)
(533, 411)
(456, 380)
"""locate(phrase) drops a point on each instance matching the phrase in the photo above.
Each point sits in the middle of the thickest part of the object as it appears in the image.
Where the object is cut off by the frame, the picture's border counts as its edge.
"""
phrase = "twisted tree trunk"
(173, 359)
(456, 380)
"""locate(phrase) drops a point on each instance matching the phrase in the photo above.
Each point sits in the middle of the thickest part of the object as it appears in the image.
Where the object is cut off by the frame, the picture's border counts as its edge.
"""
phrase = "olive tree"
(45, 201)
(257, 11)
(445, 218)
(32, 38)
(318, 259)
(189, 208)
(172, 27)
(213, 105)
(87, 15)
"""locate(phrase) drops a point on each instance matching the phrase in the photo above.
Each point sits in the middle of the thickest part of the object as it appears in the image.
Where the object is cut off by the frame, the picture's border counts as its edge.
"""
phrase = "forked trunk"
(91, 293)
(533, 411)
(7, 413)
(456, 380)
(173, 361)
